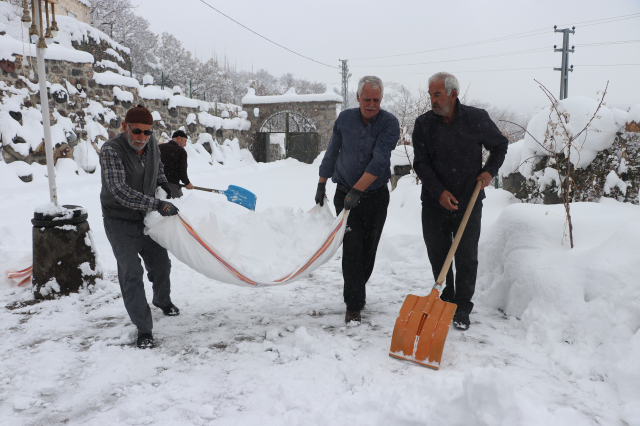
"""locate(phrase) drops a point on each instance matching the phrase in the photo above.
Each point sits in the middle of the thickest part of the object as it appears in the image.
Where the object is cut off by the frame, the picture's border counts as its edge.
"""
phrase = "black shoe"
(352, 316)
(169, 310)
(461, 321)
(145, 341)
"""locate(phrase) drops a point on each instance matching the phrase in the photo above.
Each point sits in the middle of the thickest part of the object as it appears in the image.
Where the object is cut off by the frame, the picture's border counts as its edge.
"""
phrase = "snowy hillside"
(554, 338)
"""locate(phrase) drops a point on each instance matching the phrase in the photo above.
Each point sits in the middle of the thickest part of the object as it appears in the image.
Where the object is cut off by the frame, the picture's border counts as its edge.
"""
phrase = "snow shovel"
(422, 326)
(235, 194)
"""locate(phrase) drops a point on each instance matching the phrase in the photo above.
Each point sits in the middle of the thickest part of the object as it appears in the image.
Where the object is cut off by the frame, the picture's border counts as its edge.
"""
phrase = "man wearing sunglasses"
(131, 171)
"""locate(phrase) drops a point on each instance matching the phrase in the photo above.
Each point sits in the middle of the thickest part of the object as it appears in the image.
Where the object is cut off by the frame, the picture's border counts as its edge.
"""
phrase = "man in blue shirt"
(447, 143)
(358, 160)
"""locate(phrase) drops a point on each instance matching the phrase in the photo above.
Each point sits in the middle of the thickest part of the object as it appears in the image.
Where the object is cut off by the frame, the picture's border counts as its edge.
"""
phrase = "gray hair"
(375, 82)
(450, 81)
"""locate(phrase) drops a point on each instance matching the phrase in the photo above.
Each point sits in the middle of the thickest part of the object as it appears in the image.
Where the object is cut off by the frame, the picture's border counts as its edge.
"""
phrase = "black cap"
(179, 134)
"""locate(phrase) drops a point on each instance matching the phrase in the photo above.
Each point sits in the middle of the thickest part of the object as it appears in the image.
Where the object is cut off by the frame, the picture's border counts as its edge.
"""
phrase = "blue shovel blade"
(241, 196)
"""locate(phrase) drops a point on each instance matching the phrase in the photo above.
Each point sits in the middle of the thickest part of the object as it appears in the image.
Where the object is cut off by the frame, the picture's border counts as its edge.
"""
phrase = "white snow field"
(553, 341)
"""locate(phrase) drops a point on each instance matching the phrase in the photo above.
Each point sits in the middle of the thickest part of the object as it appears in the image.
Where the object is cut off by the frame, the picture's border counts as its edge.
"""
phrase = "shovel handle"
(217, 191)
(456, 240)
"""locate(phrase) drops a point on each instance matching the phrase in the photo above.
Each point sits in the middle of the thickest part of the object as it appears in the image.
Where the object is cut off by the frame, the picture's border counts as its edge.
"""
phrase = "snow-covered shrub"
(583, 140)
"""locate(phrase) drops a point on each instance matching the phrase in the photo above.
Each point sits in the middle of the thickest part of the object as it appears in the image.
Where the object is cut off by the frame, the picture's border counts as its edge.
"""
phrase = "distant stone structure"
(313, 113)
(78, 9)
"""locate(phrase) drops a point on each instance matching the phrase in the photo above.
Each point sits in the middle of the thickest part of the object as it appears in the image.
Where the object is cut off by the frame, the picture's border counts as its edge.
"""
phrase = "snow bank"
(154, 92)
(10, 46)
(581, 306)
(291, 96)
(402, 155)
(634, 114)
(70, 30)
(109, 78)
(105, 63)
(121, 95)
(513, 159)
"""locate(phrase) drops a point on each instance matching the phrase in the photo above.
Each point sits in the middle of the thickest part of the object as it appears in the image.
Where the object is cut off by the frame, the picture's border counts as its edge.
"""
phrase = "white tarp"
(190, 246)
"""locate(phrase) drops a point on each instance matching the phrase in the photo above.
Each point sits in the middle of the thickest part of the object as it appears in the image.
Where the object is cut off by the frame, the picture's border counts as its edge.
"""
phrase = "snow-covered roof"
(9, 46)
(291, 96)
(16, 40)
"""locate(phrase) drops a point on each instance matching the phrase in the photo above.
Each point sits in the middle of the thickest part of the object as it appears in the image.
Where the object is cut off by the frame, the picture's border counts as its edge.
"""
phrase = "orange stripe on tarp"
(319, 253)
(16, 274)
(25, 280)
(193, 233)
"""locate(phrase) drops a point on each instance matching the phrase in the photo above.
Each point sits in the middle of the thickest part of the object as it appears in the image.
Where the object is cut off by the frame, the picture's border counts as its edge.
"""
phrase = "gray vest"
(140, 178)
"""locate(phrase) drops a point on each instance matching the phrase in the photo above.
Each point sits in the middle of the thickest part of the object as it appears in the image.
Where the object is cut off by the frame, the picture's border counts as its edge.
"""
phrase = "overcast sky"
(329, 30)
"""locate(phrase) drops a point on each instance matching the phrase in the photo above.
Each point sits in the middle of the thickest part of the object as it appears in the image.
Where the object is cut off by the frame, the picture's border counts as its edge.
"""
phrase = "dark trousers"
(360, 243)
(128, 241)
(176, 190)
(439, 228)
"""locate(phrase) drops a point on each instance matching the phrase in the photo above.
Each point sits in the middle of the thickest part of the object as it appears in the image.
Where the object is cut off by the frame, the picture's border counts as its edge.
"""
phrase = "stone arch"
(298, 122)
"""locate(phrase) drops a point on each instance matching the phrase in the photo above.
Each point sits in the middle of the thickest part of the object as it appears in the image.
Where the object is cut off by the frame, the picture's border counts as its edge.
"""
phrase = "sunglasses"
(138, 131)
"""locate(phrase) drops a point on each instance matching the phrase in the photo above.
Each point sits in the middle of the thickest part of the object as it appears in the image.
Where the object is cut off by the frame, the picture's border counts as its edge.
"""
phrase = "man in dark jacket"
(448, 143)
(131, 171)
(358, 160)
(174, 160)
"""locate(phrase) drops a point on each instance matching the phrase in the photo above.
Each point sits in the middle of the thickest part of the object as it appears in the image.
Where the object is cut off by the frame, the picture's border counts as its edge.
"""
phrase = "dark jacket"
(143, 179)
(449, 157)
(356, 148)
(174, 159)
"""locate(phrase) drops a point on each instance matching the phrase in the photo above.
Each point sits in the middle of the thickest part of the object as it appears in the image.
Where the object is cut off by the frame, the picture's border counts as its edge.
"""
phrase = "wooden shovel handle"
(456, 240)
(217, 191)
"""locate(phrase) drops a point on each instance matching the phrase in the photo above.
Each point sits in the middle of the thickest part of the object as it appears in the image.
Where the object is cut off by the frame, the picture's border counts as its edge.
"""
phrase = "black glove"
(167, 209)
(352, 199)
(167, 189)
(322, 186)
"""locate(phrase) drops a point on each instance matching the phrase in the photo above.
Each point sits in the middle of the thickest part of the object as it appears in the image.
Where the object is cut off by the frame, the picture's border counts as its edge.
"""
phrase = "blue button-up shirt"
(356, 148)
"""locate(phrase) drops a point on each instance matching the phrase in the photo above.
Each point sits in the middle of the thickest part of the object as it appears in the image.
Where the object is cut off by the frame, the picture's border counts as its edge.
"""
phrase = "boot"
(145, 340)
(352, 316)
(169, 310)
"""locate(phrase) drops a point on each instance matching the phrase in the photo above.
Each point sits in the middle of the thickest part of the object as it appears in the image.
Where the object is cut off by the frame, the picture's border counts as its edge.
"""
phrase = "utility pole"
(564, 68)
(345, 83)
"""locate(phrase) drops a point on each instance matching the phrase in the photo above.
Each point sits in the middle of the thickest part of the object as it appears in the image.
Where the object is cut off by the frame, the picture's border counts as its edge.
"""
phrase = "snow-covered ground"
(554, 337)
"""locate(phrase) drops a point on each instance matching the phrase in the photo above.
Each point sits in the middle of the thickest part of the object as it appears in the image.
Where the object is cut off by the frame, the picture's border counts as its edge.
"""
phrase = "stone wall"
(81, 76)
(99, 52)
(322, 114)
(79, 10)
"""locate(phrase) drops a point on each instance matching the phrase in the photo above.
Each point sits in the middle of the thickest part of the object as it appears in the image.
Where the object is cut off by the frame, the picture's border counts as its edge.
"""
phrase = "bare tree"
(558, 144)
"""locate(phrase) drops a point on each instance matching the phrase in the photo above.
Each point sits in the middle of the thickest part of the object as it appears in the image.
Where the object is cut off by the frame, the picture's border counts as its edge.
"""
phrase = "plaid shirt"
(116, 176)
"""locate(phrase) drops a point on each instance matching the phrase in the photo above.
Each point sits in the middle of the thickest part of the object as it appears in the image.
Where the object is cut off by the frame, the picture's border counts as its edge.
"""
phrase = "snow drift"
(581, 306)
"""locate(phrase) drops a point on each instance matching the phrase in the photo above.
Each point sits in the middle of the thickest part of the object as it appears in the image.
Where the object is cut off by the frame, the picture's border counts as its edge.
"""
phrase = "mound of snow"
(581, 305)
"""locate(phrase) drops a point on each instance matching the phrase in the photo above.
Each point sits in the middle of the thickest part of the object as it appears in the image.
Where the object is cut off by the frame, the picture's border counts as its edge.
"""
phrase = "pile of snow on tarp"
(227, 243)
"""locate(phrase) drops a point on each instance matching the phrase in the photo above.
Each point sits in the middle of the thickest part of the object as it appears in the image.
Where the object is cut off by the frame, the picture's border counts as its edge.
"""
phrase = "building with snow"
(77, 9)
(305, 120)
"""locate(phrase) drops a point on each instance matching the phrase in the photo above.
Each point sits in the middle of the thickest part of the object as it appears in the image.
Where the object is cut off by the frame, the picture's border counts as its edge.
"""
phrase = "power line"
(508, 69)
(270, 41)
(519, 52)
(514, 36)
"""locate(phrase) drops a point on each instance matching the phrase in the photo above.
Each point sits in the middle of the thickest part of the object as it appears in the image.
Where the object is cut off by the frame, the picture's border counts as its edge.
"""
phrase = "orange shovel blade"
(421, 329)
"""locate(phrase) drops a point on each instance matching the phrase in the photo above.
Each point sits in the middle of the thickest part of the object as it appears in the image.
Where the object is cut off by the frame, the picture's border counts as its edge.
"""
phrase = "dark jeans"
(360, 242)
(128, 241)
(439, 228)
(176, 190)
